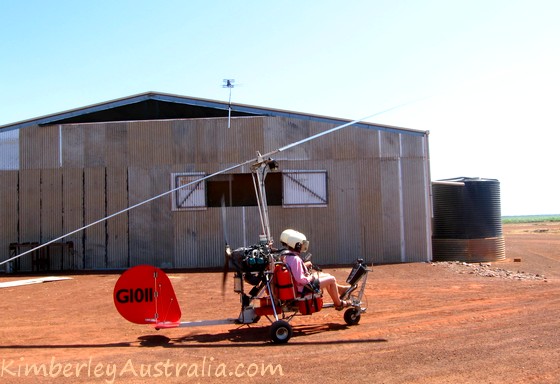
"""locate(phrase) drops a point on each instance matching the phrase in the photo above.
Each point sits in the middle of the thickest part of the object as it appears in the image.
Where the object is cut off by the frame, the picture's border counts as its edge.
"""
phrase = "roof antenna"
(228, 83)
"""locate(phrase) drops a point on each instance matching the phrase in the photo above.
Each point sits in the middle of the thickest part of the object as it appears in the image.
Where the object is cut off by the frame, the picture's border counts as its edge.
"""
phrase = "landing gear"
(280, 332)
(352, 316)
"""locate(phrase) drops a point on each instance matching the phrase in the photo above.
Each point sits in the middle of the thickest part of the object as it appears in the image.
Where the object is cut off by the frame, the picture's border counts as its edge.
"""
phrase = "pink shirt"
(299, 271)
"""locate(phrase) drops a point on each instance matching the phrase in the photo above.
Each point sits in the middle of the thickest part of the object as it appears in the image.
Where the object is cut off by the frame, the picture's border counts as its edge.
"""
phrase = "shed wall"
(9, 185)
(378, 191)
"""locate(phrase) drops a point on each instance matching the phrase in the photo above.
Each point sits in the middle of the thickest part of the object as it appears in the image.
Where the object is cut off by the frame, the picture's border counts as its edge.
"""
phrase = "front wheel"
(280, 332)
(352, 316)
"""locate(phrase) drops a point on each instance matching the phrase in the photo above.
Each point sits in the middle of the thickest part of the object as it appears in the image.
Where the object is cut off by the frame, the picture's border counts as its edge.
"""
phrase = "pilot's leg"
(328, 282)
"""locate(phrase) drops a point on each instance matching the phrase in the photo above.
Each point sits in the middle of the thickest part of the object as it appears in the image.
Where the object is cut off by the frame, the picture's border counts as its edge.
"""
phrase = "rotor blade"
(253, 160)
(128, 209)
(334, 129)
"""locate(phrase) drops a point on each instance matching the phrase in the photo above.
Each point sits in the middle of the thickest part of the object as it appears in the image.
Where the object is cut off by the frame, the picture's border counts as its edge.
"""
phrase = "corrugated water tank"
(467, 220)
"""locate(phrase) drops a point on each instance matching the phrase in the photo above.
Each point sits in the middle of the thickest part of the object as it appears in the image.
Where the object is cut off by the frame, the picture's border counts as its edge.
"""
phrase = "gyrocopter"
(262, 277)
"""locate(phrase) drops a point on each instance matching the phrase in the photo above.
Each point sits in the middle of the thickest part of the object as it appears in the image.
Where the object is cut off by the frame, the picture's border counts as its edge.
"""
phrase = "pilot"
(297, 243)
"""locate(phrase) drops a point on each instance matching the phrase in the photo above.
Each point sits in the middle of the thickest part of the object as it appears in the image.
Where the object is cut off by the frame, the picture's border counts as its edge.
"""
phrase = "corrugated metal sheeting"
(71, 175)
(9, 150)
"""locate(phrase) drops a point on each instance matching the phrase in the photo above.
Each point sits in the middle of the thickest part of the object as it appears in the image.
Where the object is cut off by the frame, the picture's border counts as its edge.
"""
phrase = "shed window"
(190, 197)
(238, 190)
(288, 189)
(305, 189)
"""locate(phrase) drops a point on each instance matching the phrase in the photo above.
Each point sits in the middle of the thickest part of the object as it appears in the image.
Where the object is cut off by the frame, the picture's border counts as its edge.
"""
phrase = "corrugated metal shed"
(76, 170)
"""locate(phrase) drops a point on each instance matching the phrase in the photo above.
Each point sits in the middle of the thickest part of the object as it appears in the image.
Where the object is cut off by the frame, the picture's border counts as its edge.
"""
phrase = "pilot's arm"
(299, 271)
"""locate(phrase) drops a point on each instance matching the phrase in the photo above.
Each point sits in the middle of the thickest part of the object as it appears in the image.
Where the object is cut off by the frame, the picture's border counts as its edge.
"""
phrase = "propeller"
(227, 253)
(227, 256)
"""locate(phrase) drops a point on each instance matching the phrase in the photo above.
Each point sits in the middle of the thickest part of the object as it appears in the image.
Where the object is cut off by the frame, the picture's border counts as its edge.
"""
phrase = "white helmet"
(295, 240)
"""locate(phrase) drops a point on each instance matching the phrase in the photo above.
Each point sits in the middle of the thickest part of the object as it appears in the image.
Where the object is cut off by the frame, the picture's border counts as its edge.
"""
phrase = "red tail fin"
(144, 295)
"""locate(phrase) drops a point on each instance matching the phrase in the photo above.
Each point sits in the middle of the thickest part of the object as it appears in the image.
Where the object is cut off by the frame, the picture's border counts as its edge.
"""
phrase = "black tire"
(352, 316)
(280, 332)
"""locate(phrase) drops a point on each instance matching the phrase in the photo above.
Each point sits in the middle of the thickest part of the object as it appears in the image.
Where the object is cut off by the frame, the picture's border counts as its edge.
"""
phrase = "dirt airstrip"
(426, 323)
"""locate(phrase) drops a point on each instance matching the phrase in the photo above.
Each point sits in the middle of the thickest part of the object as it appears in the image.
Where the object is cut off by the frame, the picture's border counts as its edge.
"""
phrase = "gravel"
(486, 270)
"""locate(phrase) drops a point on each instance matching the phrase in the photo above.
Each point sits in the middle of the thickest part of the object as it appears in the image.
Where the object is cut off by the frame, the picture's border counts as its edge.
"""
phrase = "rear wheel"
(352, 316)
(280, 331)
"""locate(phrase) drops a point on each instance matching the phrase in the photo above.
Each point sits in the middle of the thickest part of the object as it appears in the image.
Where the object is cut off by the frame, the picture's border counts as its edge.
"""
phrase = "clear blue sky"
(483, 76)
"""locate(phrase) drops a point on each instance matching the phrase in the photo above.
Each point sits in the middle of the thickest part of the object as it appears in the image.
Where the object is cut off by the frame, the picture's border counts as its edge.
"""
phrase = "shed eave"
(198, 102)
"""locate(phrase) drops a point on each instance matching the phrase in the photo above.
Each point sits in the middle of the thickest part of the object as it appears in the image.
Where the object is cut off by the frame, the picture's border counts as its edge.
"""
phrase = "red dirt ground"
(426, 323)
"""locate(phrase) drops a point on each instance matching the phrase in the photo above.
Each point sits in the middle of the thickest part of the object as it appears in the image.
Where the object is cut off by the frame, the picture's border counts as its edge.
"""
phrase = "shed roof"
(163, 106)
